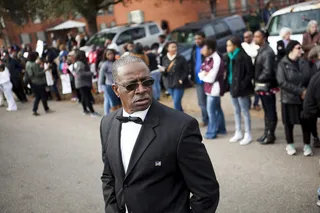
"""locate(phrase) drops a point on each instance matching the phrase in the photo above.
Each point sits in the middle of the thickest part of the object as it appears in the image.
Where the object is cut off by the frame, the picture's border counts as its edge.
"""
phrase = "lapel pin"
(157, 163)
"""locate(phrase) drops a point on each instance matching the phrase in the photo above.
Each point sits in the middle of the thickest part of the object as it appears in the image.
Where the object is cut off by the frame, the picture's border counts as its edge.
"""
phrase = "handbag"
(171, 65)
(261, 87)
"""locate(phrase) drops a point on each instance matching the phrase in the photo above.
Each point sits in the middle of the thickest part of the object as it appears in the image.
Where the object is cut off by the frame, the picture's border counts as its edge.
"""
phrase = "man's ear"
(115, 89)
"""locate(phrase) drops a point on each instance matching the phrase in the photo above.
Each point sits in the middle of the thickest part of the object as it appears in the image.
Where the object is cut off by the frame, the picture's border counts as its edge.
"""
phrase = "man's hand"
(180, 81)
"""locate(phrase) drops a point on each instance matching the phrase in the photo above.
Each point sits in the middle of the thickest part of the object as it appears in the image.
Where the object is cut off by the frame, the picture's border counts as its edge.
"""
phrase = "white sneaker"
(246, 140)
(291, 150)
(237, 137)
(307, 151)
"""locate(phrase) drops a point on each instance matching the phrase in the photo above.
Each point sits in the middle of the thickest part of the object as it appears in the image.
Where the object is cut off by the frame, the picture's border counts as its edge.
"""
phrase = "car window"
(182, 37)
(124, 37)
(153, 29)
(221, 30)
(237, 24)
(138, 33)
(99, 39)
(208, 30)
(296, 21)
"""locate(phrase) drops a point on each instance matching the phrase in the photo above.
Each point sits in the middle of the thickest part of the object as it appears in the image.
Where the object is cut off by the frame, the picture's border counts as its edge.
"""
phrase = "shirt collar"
(140, 114)
(171, 57)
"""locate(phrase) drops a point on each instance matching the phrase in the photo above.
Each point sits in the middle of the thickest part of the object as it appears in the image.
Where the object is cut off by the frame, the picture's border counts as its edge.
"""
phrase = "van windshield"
(296, 21)
(99, 39)
(184, 37)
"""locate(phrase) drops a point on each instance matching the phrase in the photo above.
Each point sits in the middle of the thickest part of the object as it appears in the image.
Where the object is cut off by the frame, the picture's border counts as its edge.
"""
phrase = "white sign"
(40, 47)
(66, 84)
(136, 17)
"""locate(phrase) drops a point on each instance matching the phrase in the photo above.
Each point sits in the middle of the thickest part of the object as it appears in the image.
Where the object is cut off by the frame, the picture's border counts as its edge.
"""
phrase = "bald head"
(123, 61)
(248, 37)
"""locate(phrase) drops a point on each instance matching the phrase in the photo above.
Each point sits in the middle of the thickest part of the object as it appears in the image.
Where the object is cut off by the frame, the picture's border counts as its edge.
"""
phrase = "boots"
(266, 127)
(271, 136)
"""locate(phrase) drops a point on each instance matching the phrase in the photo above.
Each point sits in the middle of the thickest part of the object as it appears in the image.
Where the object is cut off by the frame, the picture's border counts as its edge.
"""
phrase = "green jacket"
(35, 73)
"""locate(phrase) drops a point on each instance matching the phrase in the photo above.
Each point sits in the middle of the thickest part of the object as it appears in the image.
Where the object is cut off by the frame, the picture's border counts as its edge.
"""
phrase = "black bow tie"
(123, 119)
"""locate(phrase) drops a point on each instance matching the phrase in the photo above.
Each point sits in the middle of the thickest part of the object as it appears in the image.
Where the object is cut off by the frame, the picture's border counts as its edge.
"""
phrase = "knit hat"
(291, 45)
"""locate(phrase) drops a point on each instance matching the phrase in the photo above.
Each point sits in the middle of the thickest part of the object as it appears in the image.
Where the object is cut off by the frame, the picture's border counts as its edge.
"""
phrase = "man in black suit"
(153, 155)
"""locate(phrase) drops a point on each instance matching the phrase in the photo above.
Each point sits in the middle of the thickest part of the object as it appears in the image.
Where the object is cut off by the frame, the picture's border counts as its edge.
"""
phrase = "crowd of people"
(249, 69)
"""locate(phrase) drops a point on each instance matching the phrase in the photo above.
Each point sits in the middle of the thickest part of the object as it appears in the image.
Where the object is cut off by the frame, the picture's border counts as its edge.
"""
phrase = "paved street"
(52, 164)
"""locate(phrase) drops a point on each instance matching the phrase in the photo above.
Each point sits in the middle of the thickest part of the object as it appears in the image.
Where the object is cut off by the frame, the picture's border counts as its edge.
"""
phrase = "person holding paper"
(38, 83)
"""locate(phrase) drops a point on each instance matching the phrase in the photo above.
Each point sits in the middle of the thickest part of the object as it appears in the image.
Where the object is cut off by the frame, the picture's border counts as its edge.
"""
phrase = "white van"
(296, 17)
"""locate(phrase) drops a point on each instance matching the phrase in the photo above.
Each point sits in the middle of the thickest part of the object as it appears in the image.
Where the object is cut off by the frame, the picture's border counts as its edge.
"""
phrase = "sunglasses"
(135, 85)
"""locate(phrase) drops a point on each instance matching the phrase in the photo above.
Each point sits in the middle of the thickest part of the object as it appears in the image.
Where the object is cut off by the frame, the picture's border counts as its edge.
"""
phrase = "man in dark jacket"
(196, 61)
(15, 70)
(265, 77)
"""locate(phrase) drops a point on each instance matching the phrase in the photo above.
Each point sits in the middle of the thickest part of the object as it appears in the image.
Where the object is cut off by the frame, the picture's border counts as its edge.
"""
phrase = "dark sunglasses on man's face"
(135, 85)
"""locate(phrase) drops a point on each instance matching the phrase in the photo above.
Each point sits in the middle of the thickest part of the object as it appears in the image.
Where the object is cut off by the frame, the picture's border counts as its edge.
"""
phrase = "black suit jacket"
(168, 162)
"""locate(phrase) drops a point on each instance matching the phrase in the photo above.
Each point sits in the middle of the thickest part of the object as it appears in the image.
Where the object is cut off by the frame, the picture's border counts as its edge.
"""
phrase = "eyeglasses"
(133, 86)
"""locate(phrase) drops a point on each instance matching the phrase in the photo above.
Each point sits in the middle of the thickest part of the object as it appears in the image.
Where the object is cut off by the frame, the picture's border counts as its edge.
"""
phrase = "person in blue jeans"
(212, 74)
(175, 72)
(196, 61)
(239, 80)
(111, 101)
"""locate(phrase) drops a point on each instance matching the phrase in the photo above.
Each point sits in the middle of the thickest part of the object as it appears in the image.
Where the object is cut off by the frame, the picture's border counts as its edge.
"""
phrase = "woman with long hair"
(83, 82)
(175, 71)
(111, 101)
(311, 37)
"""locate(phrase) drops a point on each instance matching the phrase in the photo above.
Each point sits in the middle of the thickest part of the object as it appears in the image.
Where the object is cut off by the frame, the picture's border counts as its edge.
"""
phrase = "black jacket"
(311, 103)
(265, 66)
(281, 49)
(153, 64)
(193, 62)
(179, 71)
(242, 75)
(168, 162)
(293, 80)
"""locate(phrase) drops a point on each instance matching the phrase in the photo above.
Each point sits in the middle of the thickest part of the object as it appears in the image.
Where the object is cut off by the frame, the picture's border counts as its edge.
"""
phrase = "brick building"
(174, 12)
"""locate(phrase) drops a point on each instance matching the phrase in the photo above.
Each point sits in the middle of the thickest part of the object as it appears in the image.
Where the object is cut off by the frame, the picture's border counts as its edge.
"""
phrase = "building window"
(232, 6)
(25, 38)
(101, 12)
(36, 19)
(103, 26)
(111, 9)
(41, 36)
(244, 5)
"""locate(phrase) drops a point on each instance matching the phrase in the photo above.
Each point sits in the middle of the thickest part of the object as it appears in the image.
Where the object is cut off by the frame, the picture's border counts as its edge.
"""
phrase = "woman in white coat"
(6, 88)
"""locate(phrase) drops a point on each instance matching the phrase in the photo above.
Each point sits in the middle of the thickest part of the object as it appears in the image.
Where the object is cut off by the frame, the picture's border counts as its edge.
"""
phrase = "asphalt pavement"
(52, 164)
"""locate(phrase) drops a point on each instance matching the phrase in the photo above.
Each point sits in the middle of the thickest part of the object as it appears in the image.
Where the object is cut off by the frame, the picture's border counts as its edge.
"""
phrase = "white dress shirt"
(129, 135)
(128, 138)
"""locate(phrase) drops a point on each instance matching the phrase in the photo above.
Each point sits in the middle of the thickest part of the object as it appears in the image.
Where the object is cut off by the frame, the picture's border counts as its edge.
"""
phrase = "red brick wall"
(154, 10)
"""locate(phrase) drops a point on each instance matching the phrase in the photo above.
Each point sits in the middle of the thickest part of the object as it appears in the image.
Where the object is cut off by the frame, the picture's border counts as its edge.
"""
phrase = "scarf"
(232, 56)
(171, 57)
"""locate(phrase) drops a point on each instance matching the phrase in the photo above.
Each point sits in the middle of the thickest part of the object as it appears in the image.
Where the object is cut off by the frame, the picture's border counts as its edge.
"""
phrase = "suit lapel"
(114, 138)
(145, 136)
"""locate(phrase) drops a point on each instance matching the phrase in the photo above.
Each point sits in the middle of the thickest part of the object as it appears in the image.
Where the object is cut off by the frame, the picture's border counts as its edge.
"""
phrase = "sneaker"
(1, 105)
(316, 142)
(49, 111)
(307, 151)
(246, 140)
(11, 110)
(86, 112)
(95, 115)
(35, 114)
(318, 203)
(237, 137)
(291, 150)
